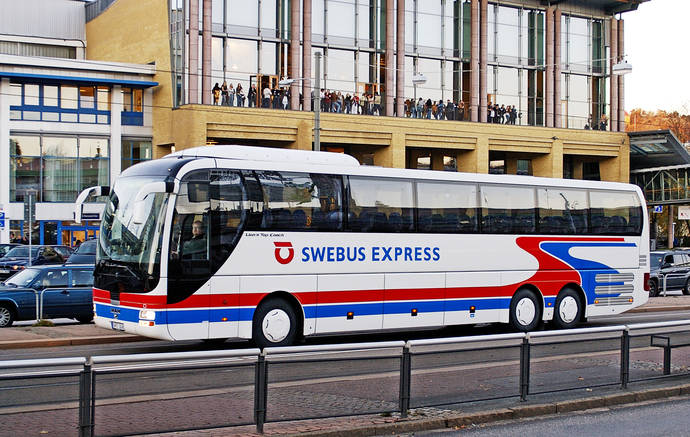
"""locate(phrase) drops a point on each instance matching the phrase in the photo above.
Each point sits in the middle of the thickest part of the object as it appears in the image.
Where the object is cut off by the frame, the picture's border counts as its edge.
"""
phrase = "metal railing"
(392, 376)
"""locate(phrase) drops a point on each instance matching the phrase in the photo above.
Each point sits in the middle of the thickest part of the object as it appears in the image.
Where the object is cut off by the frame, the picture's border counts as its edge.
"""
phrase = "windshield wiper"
(110, 263)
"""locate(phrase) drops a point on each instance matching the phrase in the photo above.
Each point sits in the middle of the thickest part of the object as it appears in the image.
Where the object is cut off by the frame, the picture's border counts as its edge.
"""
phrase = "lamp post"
(317, 99)
(621, 68)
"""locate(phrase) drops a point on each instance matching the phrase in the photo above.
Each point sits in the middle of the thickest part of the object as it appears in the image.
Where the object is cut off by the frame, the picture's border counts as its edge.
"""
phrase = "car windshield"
(22, 252)
(4, 249)
(87, 248)
(134, 246)
(655, 259)
(24, 278)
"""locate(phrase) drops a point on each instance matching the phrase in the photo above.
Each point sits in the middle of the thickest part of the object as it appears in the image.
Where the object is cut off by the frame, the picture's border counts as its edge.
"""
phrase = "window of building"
(135, 151)
(60, 103)
(56, 168)
(132, 106)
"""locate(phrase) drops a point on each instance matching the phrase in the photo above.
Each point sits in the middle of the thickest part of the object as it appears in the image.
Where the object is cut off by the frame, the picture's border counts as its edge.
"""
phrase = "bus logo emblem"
(284, 245)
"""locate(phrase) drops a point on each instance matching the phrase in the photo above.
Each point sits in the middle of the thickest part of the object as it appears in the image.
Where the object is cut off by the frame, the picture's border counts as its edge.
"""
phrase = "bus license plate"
(118, 326)
(4, 272)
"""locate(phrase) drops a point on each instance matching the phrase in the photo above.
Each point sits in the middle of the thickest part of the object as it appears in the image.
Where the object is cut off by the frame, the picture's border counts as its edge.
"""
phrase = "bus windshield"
(127, 249)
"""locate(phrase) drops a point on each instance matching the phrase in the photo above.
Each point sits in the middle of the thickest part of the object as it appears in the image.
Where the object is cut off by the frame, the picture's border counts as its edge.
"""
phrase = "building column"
(5, 157)
(548, 85)
(483, 55)
(613, 116)
(293, 65)
(621, 79)
(193, 61)
(390, 58)
(477, 160)
(670, 228)
(206, 97)
(437, 160)
(550, 165)
(393, 155)
(474, 62)
(557, 121)
(115, 152)
(400, 61)
(307, 83)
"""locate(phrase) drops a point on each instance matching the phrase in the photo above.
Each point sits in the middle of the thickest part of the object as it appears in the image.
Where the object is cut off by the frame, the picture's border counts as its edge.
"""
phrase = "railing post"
(405, 379)
(86, 401)
(625, 358)
(524, 368)
(260, 392)
(665, 277)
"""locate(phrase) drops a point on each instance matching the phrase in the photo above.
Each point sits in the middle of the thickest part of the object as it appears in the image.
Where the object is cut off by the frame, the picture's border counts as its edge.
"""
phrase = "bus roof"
(249, 153)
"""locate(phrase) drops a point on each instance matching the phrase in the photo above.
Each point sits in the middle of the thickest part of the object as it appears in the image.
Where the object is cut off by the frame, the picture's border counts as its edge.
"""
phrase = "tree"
(640, 120)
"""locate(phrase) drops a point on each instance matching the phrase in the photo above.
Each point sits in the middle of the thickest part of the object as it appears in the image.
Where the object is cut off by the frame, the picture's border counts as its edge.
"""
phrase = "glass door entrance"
(263, 81)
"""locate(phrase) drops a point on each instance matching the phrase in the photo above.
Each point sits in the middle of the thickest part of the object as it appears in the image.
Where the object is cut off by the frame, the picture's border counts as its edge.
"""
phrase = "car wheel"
(525, 311)
(275, 324)
(85, 319)
(686, 287)
(6, 316)
(653, 288)
(568, 309)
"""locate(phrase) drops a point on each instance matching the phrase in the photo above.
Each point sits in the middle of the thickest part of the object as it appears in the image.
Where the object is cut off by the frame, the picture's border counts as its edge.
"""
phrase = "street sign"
(30, 207)
(659, 209)
(90, 216)
(684, 213)
(2, 219)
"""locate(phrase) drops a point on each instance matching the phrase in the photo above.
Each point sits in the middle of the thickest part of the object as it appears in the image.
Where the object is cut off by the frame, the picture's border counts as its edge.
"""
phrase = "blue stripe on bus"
(310, 311)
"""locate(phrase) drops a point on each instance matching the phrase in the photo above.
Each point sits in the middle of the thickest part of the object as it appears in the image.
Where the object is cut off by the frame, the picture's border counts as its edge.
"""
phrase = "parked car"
(5, 247)
(85, 253)
(65, 290)
(18, 258)
(675, 265)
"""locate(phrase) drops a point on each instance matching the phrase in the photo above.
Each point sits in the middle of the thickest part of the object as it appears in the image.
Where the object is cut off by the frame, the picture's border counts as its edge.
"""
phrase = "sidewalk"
(78, 334)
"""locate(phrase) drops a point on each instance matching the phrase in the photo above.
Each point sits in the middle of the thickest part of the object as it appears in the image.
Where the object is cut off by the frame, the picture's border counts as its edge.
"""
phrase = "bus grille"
(624, 290)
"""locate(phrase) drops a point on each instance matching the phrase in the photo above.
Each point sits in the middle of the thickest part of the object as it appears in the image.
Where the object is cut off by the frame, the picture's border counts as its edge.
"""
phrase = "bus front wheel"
(525, 311)
(275, 324)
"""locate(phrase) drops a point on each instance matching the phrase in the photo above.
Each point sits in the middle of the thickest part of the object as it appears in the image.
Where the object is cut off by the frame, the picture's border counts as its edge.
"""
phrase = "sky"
(657, 36)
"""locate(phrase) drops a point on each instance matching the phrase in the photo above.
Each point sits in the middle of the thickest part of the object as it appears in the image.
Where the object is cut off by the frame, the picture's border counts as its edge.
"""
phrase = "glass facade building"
(551, 64)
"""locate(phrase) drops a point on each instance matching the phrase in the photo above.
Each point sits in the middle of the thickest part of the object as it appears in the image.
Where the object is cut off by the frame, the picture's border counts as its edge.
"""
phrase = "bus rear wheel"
(525, 311)
(568, 309)
(275, 324)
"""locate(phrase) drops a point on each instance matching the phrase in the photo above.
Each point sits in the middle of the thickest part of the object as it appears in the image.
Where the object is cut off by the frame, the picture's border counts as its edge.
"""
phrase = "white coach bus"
(273, 245)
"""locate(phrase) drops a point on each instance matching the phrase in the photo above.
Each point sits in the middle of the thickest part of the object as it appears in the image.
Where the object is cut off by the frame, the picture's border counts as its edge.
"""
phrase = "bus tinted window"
(446, 207)
(507, 209)
(562, 211)
(226, 196)
(615, 213)
(301, 201)
(380, 205)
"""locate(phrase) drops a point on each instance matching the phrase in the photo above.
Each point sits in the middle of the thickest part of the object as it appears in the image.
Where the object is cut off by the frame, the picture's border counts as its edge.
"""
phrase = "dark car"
(5, 247)
(18, 258)
(674, 265)
(65, 292)
(85, 253)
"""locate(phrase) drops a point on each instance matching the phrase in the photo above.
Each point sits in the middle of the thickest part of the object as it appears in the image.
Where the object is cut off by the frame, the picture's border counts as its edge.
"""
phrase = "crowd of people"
(501, 114)
(435, 110)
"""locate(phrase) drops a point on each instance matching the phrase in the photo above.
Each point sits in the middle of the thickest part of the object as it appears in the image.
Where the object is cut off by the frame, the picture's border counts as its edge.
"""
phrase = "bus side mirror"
(81, 198)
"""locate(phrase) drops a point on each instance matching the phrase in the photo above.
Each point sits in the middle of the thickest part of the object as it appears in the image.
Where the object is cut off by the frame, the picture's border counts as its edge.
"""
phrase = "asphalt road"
(657, 419)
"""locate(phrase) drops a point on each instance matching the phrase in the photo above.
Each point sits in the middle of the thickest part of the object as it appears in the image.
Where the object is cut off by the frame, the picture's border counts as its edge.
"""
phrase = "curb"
(659, 309)
(70, 341)
(520, 412)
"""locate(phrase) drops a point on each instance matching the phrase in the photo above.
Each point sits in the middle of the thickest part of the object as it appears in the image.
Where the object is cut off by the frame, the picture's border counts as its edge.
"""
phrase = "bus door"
(189, 268)
(414, 300)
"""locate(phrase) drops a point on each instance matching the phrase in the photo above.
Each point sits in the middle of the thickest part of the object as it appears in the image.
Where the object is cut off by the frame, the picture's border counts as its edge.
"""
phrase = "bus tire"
(6, 316)
(525, 311)
(275, 324)
(653, 288)
(568, 310)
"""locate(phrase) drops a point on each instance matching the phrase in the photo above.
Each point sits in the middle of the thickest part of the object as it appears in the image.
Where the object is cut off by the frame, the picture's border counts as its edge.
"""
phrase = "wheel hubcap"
(568, 308)
(276, 325)
(4, 316)
(525, 311)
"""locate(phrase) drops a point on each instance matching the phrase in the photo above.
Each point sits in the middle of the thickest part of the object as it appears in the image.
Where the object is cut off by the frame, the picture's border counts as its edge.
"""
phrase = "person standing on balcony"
(224, 93)
(216, 94)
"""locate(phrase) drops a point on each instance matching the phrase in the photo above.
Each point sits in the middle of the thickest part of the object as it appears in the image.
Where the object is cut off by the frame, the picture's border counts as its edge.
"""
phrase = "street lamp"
(287, 81)
(419, 79)
(621, 68)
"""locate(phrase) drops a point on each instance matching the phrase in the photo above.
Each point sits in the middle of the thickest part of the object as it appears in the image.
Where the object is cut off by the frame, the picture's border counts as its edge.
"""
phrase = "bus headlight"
(147, 315)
